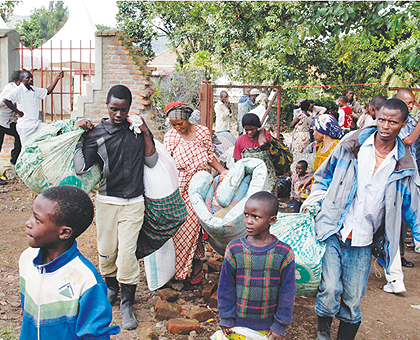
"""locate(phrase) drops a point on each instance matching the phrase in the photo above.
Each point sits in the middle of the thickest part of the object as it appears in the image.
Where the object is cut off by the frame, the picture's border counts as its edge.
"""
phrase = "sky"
(100, 11)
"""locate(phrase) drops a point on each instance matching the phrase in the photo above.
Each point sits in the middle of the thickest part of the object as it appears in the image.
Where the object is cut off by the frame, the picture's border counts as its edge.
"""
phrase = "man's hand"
(85, 124)
(143, 127)
(60, 75)
(274, 336)
(226, 330)
(19, 113)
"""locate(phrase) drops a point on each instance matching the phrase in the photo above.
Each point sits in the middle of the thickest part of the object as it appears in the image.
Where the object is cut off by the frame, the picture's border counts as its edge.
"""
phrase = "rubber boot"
(127, 301)
(113, 289)
(347, 331)
(323, 331)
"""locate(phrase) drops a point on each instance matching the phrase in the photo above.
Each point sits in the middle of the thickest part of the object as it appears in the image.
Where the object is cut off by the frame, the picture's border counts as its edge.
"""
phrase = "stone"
(166, 310)
(200, 314)
(213, 300)
(168, 294)
(147, 333)
(215, 266)
(183, 326)
(177, 286)
(209, 290)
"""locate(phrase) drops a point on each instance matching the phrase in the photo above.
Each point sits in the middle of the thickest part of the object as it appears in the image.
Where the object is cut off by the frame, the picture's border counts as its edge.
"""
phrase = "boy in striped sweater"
(257, 282)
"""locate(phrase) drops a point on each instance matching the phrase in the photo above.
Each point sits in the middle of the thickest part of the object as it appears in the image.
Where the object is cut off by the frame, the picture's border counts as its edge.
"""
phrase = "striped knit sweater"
(257, 286)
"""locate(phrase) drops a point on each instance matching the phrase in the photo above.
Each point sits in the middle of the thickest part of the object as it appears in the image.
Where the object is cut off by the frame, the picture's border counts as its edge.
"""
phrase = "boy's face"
(341, 103)
(257, 218)
(301, 169)
(118, 110)
(41, 229)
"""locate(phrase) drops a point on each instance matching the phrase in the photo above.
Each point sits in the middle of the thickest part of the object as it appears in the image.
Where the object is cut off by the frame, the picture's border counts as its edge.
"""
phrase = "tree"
(42, 24)
(133, 18)
(7, 8)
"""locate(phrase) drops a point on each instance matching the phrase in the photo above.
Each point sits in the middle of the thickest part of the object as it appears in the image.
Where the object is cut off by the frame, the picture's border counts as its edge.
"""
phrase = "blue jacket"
(338, 174)
(63, 299)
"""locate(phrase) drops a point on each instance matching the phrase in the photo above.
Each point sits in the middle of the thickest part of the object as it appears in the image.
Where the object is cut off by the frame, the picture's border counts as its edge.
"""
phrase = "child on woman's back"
(257, 282)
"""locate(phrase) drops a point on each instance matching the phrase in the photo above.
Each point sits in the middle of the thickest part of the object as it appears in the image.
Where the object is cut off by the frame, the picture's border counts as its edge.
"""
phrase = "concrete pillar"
(9, 55)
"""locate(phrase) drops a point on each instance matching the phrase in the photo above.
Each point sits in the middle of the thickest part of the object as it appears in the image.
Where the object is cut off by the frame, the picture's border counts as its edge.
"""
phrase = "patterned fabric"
(162, 219)
(281, 156)
(47, 159)
(190, 157)
(265, 156)
(300, 135)
(298, 231)
(178, 114)
(327, 125)
(257, 285)
(262, 271)
(321, 157)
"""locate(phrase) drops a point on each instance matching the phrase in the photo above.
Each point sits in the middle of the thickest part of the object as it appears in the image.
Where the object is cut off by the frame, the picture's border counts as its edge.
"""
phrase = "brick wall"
(117, 61)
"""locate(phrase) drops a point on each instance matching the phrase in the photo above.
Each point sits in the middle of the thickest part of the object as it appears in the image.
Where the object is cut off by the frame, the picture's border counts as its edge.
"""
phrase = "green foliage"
(133, 18)
(184, 86)
(7, 8)
(8, 333)
(42, 24)
(102, 27)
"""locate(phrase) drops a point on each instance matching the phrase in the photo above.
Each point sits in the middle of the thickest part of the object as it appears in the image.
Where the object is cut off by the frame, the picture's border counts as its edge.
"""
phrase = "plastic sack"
(46, 160)
(248, 176)
(298, 231)
(160, 265)
(165, 210)
(161, 180)
(247, 334)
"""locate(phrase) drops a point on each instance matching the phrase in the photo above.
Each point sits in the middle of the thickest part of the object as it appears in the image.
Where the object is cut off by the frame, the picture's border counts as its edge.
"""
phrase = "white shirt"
(222, 117)
(27, 102)
(7, 116)
(367, 209)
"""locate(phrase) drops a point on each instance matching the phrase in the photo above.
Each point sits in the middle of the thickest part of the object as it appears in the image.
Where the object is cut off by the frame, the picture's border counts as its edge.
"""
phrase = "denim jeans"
(345, 272)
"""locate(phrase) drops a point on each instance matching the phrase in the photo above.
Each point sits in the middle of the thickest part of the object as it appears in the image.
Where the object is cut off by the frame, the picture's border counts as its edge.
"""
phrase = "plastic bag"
(298, 231)
(160, 265)
(248, 176)
(248, 333)
(46, 160)
(165, 210)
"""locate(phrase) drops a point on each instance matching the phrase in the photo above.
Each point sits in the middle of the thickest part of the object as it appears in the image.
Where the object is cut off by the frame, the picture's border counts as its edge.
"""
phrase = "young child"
(62, 294)
(257, 282)
(295, 194)
(345, 118)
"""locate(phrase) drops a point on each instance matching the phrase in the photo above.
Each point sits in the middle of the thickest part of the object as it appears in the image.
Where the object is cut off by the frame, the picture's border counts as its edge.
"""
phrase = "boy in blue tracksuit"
(62, 294)
(368, 180)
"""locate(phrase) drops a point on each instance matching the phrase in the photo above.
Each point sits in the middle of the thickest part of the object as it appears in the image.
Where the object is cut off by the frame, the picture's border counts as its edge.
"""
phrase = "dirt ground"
(385, 316)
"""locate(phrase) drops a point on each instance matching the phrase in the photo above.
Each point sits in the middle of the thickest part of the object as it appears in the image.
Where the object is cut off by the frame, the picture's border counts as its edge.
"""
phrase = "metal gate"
(46, 62)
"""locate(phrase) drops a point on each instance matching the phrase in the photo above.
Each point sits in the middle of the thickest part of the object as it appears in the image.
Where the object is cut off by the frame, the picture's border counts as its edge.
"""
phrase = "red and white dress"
(190, 157)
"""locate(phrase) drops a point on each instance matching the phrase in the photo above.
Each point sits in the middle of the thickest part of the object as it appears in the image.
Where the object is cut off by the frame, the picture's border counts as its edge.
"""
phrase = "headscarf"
(251, 119)
(178, 111)
(327, 125)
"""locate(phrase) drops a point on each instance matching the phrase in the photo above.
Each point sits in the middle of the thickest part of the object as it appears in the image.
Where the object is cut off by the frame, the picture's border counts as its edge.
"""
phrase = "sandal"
(198, 276)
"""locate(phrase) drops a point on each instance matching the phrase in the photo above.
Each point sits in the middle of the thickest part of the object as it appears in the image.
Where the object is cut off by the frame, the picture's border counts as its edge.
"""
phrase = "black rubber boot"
(347, 331)
(127, 301)
(323, 332)
(113, 289)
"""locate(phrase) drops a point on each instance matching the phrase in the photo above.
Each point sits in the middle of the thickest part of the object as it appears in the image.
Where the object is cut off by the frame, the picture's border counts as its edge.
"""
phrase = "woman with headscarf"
(255, 143)
(191, 147)
(327, 133)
